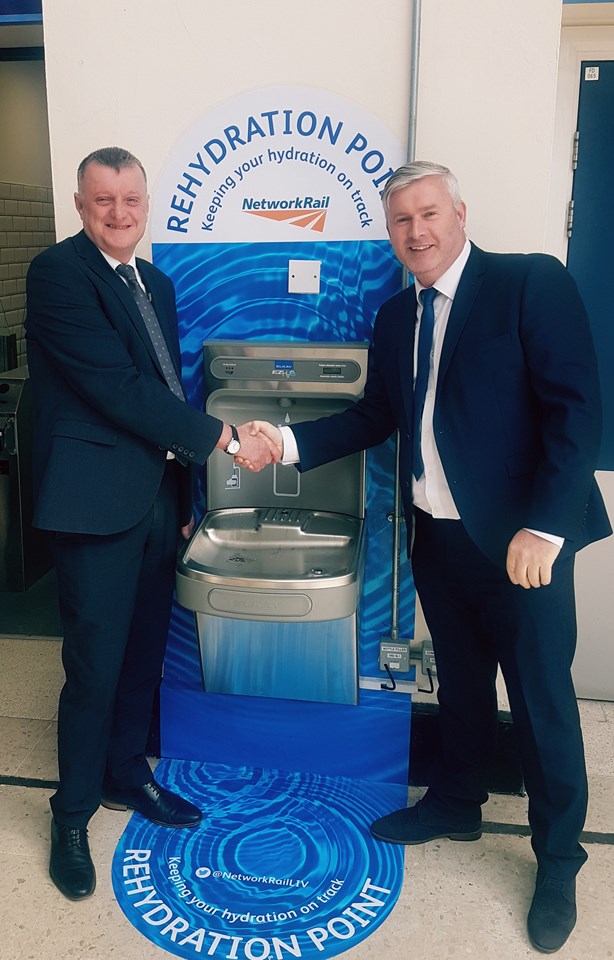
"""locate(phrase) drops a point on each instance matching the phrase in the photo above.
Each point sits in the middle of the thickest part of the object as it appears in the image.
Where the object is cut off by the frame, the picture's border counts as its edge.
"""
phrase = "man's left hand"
(188, 530)
(530, 559)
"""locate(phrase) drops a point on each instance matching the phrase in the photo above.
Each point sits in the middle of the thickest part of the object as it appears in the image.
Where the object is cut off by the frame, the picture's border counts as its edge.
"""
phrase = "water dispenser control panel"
(307, 370)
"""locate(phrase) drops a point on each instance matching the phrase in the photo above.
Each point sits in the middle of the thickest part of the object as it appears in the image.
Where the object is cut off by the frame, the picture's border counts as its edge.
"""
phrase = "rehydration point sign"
(273, 165)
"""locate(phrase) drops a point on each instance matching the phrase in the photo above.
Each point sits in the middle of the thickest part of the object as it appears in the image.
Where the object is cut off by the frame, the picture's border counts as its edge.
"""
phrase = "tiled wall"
(27, 226)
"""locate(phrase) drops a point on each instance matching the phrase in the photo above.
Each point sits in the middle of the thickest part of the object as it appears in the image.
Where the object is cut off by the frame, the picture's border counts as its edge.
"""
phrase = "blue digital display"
(284, 364)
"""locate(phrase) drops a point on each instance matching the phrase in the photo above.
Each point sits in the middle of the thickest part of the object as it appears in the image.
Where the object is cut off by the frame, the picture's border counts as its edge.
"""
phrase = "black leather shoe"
(552, 916)
(154, 802)
(70, 864)
(423, 822)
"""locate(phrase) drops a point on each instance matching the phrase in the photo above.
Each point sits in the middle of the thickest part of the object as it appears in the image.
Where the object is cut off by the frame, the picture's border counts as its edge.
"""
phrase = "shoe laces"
(73, 836)
(566, 888)
(154, 788)
(553, 883)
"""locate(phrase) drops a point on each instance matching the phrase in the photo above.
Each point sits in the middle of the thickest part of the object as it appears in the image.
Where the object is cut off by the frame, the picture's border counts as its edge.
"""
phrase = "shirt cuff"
(552, 537)
(290, 452)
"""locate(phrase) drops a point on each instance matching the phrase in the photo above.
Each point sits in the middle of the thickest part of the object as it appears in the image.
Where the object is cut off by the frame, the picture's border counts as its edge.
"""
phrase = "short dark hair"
(115, 157)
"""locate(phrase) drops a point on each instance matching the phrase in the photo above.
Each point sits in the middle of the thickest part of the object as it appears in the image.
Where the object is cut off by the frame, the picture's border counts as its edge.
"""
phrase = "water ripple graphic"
(283, 865)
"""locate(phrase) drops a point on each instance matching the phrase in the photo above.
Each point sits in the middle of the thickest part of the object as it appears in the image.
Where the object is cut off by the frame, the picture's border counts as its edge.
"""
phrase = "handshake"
(261, 444)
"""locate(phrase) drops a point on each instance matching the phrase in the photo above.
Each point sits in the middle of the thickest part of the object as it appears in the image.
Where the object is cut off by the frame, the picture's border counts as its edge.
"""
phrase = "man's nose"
(118, 210)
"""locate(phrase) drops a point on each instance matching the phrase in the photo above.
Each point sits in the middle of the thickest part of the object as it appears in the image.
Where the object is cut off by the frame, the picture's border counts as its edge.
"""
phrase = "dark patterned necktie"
(152, 323)
(423, 365)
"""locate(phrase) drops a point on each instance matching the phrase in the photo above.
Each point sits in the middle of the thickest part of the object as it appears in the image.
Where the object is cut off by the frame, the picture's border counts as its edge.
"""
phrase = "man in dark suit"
(114, 445)
(498, 445)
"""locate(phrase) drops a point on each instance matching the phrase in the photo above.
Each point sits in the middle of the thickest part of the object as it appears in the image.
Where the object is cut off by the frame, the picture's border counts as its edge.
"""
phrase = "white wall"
(138, 75)
(486, 108)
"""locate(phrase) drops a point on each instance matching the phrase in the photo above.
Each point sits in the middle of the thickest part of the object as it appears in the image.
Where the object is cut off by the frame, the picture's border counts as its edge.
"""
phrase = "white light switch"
(304, 276)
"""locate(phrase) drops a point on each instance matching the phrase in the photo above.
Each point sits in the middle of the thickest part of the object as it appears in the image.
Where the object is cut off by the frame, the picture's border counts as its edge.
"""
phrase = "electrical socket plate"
(304, 276)
(396, 655)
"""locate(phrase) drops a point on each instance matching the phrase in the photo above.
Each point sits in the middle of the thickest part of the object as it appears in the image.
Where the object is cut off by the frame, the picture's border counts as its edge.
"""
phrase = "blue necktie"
(154, 330)
(425, 344)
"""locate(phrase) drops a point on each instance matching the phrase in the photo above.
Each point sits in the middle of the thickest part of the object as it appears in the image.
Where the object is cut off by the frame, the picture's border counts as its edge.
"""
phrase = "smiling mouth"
(421, 249)
(113, 226)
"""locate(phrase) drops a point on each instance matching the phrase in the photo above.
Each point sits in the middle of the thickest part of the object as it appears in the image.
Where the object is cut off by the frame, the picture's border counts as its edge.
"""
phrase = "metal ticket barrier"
(24, 551)
(273, 572)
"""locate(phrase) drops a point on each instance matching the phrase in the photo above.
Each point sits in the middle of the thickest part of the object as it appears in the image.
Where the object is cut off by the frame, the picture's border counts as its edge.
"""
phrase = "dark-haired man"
(114, 445)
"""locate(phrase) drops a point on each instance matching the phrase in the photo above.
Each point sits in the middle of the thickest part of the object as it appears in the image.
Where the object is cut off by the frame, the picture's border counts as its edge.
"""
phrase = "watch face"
(233, 447)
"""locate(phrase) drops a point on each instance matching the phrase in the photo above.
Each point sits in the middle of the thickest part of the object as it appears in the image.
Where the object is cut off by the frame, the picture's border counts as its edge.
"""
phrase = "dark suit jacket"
(517, 413)
(105, 416)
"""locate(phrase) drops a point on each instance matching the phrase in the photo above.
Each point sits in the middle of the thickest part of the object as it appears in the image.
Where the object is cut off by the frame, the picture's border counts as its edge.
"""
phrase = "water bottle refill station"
(273, 572)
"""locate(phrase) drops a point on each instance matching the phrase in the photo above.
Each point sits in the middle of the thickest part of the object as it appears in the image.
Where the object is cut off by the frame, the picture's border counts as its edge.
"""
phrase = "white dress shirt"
(430, 492)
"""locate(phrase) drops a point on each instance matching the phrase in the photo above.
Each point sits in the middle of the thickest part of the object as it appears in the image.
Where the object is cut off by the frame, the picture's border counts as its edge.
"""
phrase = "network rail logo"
(306, 212)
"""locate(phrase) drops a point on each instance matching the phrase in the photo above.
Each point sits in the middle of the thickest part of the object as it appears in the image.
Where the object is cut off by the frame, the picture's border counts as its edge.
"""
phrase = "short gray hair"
(115, 157)
(408, 173)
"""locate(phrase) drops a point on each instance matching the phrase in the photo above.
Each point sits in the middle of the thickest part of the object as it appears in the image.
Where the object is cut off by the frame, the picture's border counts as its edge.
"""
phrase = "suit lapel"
(470, 282)
(89, 252)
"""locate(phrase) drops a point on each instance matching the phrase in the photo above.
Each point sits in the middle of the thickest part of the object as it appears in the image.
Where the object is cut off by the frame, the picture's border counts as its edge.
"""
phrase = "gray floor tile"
(20, 739)
(458, 900)
(31, 678)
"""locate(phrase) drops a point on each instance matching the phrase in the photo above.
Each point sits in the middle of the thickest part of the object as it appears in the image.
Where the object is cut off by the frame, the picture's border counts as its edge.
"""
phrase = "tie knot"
(125, 271)
(427, 296)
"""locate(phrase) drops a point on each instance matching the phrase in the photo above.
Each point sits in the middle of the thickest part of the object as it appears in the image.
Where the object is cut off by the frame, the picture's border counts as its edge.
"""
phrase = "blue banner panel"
(368, 741)
(283, 865)
(21, 11)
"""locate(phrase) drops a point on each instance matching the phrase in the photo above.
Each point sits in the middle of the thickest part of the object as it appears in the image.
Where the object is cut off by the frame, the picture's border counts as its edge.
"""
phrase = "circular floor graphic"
(283, 865)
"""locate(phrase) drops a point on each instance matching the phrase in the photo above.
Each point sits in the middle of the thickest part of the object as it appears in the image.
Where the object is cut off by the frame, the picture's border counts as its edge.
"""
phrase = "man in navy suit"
(114, 445)
(497, 463)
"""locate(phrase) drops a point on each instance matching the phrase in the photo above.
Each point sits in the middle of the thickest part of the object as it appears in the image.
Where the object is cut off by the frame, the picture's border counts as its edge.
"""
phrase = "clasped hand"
(261, 444)
(530, 559)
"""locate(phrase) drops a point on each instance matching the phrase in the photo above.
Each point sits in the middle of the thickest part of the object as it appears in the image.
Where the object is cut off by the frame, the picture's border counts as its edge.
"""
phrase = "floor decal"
(283, 865)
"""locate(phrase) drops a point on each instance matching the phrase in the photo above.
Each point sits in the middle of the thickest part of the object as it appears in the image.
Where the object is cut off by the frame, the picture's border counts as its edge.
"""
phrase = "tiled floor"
(458, 900)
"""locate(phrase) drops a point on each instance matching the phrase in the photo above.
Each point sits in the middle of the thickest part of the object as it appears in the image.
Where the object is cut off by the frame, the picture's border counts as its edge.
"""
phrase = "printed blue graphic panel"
(283, 865)
(369, 742)
(239, 292)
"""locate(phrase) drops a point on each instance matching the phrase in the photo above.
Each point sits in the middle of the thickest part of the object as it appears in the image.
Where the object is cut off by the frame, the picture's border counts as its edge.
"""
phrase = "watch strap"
(234, 437)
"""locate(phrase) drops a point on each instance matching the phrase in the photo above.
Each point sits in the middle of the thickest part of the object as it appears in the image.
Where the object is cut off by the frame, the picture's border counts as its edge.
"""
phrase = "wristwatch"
(234, 444)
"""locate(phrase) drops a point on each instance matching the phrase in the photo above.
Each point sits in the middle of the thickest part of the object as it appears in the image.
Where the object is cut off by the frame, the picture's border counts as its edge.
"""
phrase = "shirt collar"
(449, 281)
(115, 263)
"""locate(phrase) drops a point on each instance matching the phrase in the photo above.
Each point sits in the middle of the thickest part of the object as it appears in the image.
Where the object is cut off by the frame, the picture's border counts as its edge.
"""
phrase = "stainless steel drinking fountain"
(273, 572)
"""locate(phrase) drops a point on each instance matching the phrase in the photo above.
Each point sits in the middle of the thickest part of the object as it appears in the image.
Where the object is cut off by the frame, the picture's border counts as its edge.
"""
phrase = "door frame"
(587, 34)
(578, 43)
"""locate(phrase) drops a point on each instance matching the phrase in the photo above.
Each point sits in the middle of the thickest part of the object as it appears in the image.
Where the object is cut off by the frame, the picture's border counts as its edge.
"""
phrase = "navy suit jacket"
(105, 416)
(517, 412)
